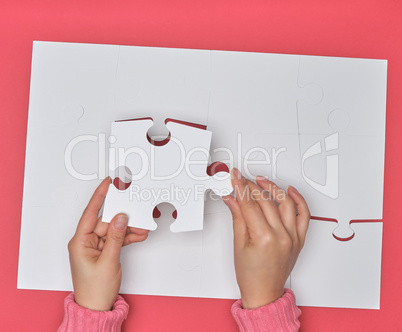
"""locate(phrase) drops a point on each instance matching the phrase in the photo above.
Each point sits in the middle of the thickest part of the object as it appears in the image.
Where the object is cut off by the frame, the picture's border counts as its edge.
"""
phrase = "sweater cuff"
(281, 315)
(77, 318)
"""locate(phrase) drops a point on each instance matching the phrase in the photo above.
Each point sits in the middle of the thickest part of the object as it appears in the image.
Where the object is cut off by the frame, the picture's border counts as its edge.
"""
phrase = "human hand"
(95, 254)
(267, 237)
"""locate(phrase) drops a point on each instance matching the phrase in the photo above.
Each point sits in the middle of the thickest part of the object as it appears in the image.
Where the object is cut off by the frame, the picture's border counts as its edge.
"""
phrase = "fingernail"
(109, 179)
(121, 222)
(225, 198)
(261, 178)
(293, 188)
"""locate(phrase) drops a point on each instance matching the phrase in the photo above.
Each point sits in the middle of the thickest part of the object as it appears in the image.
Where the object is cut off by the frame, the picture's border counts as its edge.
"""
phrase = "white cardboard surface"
(80, 89)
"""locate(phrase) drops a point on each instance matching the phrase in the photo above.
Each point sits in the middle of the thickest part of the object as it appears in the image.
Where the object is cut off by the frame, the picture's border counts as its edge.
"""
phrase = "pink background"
(362, 28)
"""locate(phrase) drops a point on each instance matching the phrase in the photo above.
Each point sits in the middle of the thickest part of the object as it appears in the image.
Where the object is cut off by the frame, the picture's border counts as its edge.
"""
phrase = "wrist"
(94, 304)
(260, 300)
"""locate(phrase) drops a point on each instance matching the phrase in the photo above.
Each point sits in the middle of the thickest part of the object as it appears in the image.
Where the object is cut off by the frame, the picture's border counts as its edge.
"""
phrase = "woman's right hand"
(270, 227)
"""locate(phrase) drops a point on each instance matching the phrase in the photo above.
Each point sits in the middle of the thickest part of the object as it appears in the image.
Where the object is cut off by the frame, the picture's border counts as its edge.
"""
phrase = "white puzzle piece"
(340, 175)
(175, 172)
(45, 263)
(158, 266)
(156, 82)
(332, 273)
(357, 86)
(68, 82)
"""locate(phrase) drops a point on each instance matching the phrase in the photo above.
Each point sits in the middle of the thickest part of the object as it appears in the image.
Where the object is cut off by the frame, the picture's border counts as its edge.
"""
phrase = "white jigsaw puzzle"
(327, 112)
(175, 172)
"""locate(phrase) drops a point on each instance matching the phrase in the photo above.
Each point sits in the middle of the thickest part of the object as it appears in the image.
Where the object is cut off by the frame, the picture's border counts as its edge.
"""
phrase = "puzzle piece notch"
(338, 120)
(345, 233)
(129, 133)
(310, 93)
(157, 133)
(123, 178)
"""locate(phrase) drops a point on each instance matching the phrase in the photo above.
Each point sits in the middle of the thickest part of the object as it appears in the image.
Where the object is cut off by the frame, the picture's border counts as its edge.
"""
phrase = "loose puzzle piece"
(332, 273)
(175, 172)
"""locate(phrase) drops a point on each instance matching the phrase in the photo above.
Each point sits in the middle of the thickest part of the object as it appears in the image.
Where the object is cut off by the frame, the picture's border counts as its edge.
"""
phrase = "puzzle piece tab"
(175, 172)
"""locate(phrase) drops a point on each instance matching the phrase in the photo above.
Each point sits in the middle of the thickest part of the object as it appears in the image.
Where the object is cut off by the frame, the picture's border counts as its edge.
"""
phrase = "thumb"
(115, 237)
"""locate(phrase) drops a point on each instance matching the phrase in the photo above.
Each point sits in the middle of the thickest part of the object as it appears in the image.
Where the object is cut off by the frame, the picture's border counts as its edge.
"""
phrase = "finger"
(133, 237)
(251, 211)
(267, 205)
(303, 213)
(286, 205)
(101, 227)
(89, 218)
(114, 239)
(139, 231)
(240, 231)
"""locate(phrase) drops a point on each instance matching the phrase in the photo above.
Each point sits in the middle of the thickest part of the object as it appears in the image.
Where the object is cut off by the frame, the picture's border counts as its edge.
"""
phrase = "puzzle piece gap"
(122, 178)
(158, 140)
(157, 214)
(157, 211)
(217, 167)
(341, 233)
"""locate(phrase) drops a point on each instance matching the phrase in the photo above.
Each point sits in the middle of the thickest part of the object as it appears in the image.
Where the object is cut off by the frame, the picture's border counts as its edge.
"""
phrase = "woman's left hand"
(95, 254)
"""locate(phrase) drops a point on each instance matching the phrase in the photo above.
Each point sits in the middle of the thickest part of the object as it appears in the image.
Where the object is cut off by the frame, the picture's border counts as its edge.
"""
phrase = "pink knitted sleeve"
(77, 318)
(281, 315)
